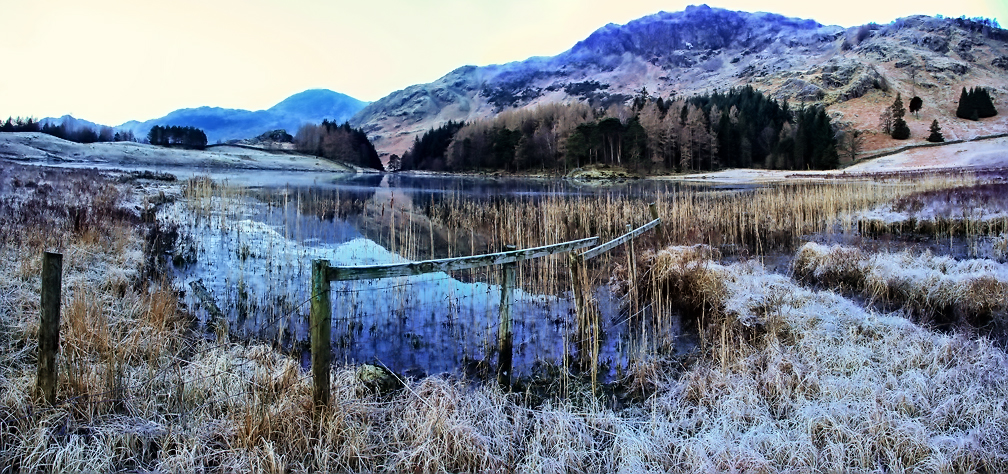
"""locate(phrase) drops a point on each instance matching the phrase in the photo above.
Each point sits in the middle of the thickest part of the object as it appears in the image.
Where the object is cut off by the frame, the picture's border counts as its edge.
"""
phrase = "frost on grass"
(937, 287)
(795, 379)
(787, 379)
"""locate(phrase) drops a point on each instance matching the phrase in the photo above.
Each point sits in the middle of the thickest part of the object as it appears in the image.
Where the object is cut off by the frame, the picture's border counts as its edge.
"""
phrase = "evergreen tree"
(965, 109)
(915, 105)
(936, 135)
(983, 103)
(975, 104)
(900, 129)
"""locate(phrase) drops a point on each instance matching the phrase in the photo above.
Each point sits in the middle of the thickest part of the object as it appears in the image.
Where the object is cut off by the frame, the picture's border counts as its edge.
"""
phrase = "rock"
(377, 379)
(839, 74)
(942, 64)
(1001, 62)
(935, 43)
(964, 49)
(800, 90)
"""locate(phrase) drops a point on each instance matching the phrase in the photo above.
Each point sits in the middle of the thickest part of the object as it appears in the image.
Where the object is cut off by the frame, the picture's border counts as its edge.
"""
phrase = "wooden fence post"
(632, 274)
(321, 328)
(48, 333)
(504, 330)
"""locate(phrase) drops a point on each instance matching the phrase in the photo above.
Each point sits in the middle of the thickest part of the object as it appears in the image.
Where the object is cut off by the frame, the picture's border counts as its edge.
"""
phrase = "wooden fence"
(323, 273)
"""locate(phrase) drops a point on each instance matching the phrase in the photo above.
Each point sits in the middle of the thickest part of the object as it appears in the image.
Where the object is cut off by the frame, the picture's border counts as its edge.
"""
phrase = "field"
(804, 325)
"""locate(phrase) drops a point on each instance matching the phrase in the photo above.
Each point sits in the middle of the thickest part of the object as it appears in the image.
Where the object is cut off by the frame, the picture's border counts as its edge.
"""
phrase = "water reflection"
(254, 256)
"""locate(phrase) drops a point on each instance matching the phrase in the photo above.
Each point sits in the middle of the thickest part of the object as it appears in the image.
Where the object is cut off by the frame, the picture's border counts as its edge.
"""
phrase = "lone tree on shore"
(936, 135)
(900, 129)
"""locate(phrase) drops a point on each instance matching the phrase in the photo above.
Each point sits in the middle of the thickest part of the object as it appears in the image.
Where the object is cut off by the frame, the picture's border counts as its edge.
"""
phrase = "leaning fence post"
(504, 333)
(321, 327)
(48, 334)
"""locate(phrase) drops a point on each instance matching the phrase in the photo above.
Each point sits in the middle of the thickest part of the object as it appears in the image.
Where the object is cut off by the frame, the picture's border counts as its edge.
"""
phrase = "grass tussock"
(937, 288)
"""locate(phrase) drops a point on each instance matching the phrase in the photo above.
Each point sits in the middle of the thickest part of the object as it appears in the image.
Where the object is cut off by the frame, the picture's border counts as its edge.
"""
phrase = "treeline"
(975, 104)
(741, 128)
(428, 151)
(66, 131)
(185, 137)
(20, 125)
(738, 128)
(337, 142)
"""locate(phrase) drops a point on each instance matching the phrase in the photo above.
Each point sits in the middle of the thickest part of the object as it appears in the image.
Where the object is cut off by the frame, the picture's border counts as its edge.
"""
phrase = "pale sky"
(111, 61)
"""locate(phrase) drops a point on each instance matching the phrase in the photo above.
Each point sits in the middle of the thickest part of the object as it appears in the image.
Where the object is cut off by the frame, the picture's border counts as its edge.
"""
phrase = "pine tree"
(965, 108)
(983, 103)
(936, 135)
(900, 130)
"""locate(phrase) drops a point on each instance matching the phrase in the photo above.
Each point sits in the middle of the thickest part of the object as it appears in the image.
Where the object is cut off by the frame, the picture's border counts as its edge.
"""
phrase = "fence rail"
(364, 272)
(323, 273)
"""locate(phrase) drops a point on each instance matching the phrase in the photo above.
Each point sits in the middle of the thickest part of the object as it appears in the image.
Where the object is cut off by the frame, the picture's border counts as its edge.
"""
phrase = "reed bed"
(786, 379)
(936, 288)
(746, 222)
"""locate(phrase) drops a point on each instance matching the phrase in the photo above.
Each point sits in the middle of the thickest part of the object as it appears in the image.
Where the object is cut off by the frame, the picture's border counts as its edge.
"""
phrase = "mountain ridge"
(701, 49)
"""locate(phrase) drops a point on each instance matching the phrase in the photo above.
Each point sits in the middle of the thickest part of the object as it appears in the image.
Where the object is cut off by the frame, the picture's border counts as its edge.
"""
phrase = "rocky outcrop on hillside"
(698, 50)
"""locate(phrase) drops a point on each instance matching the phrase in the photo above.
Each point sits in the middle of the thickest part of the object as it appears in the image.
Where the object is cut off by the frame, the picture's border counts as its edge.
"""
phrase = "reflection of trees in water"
(326, 202)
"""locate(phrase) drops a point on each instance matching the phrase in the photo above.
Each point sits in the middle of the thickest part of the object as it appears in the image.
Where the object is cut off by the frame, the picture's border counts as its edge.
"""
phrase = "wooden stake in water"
(504, 334)
(321, 328)
(48, 334)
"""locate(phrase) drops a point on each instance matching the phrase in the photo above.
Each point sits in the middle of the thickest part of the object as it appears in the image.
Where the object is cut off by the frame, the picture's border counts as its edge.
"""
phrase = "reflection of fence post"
(48, 333)
(632, 273)
(321, 327)
(504, 333)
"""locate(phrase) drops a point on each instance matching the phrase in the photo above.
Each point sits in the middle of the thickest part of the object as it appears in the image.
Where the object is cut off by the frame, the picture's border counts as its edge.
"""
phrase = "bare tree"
(886, 121)
(851, 143)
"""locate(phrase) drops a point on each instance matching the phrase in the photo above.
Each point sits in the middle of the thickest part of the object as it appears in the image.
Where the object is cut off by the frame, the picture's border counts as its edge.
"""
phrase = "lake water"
(253, 253)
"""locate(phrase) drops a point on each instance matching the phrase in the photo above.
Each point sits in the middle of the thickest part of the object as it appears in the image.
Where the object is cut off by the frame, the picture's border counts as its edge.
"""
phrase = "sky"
(110, 61)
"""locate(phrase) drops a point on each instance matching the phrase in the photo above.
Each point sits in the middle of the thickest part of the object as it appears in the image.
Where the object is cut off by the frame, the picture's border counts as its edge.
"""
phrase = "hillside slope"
(854, 72)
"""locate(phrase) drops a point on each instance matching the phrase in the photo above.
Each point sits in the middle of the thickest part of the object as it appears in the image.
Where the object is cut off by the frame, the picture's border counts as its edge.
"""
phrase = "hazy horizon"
(112, 61)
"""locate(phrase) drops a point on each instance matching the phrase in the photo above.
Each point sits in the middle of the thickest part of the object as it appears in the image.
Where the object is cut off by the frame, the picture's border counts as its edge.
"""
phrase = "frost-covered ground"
(975, 155)
(40, 148)
(787, 378)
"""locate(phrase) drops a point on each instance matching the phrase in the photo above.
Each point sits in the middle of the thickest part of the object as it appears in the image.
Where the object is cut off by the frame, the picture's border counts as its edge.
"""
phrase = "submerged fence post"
(504, 333)
(48, 335)
(321, 328)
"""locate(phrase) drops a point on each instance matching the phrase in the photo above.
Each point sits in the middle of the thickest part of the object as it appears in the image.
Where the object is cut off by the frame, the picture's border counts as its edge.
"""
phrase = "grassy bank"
(786, 378)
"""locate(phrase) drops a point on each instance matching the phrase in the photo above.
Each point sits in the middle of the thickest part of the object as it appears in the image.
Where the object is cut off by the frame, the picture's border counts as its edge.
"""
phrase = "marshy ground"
(833, 325)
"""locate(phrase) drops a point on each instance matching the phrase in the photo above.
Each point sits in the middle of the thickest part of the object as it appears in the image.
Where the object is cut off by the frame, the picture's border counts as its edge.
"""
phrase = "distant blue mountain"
(70, 122)
(310, 106)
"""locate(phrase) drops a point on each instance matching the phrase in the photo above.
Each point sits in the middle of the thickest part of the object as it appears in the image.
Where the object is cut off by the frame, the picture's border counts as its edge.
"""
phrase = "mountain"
(701, 49)
(310, 106)
(71, 122)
